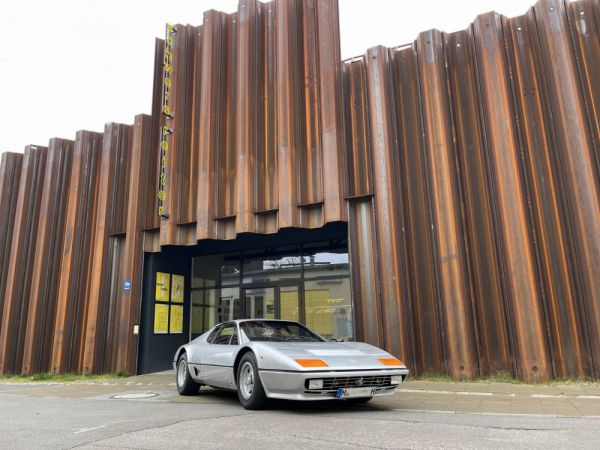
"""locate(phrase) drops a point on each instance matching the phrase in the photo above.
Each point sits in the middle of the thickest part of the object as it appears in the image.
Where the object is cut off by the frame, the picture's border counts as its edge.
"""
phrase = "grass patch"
(61, 377)
(503, 378)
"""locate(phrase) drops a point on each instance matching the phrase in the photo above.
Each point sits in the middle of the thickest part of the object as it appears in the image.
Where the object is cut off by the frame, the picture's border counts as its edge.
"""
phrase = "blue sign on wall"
(127, 285)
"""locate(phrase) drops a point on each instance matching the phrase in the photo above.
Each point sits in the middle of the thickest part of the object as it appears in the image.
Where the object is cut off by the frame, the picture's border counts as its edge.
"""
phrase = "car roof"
(261, 319)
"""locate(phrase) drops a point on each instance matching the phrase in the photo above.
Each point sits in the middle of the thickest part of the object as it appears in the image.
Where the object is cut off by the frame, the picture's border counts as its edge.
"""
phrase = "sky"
(67, 65)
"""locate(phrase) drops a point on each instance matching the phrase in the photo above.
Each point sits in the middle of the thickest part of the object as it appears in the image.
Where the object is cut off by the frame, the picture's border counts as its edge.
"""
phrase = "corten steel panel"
(247, 99)
(46, 266)
(288, 88)
(265, 153)
(330, 100)
(20, 265)
(362, 241)
(414, 185)
(10, 172)
(211, 119)
(75, 265)
(151, 219)
(511, 202)
(488, 298)
(450, 258)
(560, 292)
(359, 169)
(389, 221)
(576, 156)
(110, 205)
(132, 266)
(584, 24)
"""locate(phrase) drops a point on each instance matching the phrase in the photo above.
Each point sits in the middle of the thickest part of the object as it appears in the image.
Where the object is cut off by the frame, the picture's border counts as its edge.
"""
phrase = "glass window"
(227, 335)
(212, 335)
(272, 268)
(322, 263)
(215, 270)
(289, 308)
(212, 306)
(328, 308)
(260, 303)
(267, 330)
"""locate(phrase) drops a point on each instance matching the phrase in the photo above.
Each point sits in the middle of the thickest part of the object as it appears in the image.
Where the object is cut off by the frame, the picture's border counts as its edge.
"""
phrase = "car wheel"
(185, 384)
(249, 387)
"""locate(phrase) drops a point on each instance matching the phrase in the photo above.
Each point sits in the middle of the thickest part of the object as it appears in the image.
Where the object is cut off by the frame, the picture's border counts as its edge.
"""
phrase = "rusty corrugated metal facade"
(467, 166)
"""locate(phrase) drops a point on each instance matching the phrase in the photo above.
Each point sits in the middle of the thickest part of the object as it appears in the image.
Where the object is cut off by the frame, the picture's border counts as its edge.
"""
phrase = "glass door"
(260, 303)
(272, 302)
(289, 303)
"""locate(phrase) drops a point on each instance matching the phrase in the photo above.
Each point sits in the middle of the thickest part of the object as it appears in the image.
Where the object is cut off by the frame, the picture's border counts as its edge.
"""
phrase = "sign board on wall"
(168, 306)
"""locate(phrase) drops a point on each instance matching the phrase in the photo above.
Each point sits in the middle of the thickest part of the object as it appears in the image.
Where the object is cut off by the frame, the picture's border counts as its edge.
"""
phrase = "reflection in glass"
(328, 308)
(212, 306)
(318, 263)
(260, 303)
(289, 305)
(215, 270)
(271, 288)
(273, 268)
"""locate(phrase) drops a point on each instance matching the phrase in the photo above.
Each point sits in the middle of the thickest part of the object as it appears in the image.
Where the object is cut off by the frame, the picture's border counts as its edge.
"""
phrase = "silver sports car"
(264, 359)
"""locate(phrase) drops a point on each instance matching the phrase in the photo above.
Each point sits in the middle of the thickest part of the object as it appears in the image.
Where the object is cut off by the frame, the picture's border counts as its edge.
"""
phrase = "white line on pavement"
(85, 430)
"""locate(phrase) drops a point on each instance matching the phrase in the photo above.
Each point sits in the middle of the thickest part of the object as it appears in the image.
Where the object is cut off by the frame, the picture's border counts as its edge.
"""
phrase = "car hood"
(337, 355)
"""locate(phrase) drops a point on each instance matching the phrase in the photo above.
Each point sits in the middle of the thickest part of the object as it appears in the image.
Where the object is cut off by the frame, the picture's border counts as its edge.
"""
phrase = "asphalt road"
(214, 419)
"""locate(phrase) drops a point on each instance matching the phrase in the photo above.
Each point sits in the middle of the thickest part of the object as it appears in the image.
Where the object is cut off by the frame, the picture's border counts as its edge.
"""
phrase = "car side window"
(227, 335)
(212, 335)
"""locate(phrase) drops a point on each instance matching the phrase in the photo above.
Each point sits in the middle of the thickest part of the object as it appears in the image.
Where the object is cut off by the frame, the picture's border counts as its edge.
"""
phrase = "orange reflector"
(311, 363)
(390, 362)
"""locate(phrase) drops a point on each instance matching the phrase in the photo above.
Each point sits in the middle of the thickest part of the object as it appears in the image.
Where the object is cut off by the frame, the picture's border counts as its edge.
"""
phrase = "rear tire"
(249, 387)
(185, 384)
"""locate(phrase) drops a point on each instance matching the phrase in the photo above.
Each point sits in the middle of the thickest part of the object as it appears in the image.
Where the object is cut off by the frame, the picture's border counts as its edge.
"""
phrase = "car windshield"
(278, 331)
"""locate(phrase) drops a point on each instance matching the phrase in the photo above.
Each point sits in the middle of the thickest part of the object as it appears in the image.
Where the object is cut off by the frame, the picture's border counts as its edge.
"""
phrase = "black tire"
(185, 384)
(359, 400)
(249, 387)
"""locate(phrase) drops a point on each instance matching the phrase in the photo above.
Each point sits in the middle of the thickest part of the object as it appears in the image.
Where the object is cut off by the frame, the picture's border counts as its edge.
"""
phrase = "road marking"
(424, 391)
(589, 397)
(85, 430)
(548, 395)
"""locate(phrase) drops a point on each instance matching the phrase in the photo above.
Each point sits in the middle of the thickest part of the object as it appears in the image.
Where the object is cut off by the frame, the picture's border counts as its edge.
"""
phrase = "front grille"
(333, 384)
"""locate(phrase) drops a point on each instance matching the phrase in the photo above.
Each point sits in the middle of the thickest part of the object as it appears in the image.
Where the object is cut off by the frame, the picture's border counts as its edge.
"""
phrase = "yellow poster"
(162, 286)
(177, 288)
(176, 319)
(161, 319)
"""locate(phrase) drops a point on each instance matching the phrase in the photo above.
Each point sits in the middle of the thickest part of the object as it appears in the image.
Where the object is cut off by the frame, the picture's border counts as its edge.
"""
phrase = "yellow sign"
(162, 286)
(169, 115)
(176, 319)
(177, 288)
(161, 319)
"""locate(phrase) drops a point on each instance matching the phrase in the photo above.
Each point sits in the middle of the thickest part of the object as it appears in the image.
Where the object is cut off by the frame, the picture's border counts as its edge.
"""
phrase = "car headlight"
(315, 384)
(396, 379)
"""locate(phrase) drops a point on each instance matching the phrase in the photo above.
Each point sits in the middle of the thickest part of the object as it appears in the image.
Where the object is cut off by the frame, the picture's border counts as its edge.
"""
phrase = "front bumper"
(292, 385)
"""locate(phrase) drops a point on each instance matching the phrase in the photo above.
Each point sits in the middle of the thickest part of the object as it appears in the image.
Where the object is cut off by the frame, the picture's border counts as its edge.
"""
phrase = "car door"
(197, 355)
(219, 356)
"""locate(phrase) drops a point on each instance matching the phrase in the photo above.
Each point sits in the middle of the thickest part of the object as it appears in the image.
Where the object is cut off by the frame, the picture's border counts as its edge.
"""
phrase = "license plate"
(355, 392)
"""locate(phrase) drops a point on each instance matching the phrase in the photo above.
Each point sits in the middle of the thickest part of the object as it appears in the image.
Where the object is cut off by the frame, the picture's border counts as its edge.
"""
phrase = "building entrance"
(301, 275)
(309, 283)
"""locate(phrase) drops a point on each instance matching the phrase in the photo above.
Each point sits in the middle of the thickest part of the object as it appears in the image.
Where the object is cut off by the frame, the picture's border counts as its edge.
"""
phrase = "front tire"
(249, 387)
(185, 384)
